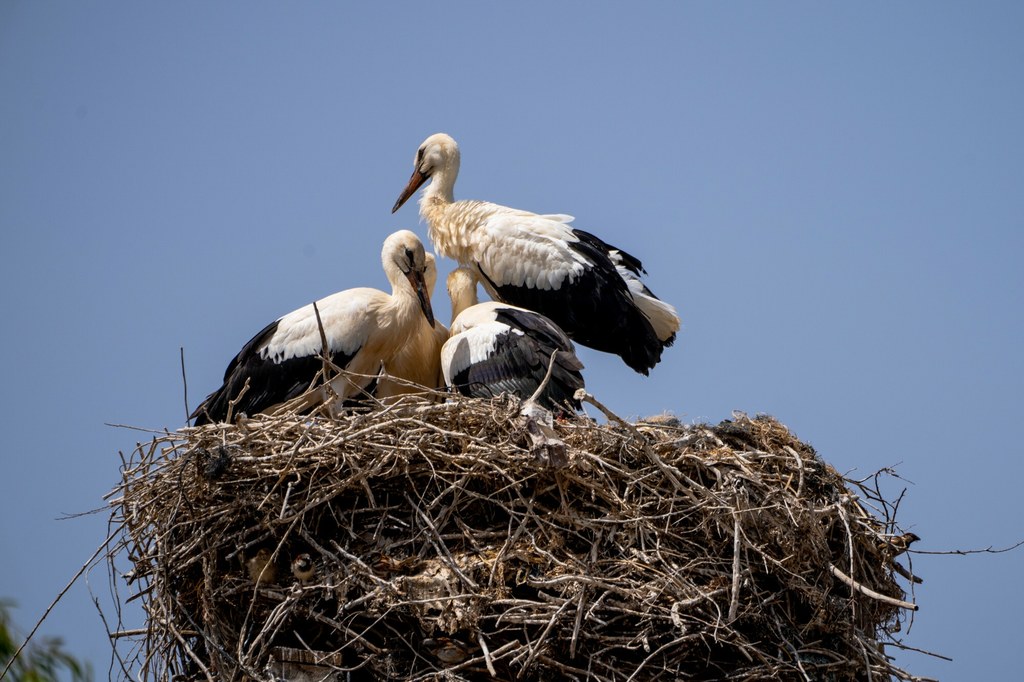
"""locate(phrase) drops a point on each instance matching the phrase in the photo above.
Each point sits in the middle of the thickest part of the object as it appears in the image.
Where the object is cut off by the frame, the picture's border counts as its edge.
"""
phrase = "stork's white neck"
(461, 290)
(399, 317)
(440, 193)
(399, 283)
(403, 300)
(442, 185)
(442, 178)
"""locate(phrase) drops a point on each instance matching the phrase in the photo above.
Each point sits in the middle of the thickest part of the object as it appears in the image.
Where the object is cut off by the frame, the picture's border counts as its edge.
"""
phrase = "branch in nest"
(867, 591)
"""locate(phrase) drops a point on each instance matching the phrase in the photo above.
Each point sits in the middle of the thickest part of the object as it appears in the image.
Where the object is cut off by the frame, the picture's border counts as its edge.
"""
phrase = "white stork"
(363, 327)
(498, 348)
(419, 361)
(591, 289)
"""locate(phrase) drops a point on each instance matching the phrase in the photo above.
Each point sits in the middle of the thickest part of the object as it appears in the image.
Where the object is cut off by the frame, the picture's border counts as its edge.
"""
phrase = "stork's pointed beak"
(415, 182)
(420, 285)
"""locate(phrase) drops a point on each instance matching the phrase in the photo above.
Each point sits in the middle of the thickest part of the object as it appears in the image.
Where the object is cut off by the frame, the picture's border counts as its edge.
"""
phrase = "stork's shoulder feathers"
(534, 324)
(298, 332)
(491, 320)
(536, 249)
(497, 348)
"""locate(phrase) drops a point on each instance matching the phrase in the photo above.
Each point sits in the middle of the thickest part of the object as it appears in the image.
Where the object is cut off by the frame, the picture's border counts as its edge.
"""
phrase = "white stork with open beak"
(498, 348)
(363, 327)
(418, 363)
(591, 289)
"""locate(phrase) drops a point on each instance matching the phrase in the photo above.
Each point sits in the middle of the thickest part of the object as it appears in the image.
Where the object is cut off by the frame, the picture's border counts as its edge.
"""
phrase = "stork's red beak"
(420, 285)
(415, 182)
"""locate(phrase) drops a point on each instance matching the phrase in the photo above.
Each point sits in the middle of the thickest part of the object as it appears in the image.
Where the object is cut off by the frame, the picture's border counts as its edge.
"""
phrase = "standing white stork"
(363, 327)
(591, 289)
(418, 363)
(498, 348)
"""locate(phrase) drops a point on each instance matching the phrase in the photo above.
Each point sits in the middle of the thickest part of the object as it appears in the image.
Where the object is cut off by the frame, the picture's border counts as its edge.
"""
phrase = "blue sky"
(831, 194)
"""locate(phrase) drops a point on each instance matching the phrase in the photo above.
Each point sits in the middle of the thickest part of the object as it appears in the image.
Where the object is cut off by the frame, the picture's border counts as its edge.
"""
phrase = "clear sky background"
(831, 194)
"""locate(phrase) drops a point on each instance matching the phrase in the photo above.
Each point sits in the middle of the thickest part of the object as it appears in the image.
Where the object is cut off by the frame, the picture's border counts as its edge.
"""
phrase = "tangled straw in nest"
(428, 541)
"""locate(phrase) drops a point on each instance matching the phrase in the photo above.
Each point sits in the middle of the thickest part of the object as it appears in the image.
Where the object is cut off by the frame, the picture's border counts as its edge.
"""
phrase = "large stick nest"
(437, 540)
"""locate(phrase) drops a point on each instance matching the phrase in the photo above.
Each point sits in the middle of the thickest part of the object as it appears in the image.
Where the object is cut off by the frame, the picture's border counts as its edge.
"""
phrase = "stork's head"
(403, 255)
(437, 158)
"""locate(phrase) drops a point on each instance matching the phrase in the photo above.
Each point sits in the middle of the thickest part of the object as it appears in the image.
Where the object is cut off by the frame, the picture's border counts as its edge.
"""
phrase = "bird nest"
(446, 541)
